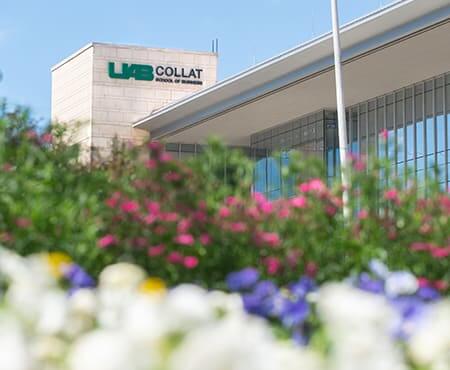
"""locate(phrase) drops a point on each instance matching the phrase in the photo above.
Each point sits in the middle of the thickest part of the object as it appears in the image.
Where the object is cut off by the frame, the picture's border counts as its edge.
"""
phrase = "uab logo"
(141, 72)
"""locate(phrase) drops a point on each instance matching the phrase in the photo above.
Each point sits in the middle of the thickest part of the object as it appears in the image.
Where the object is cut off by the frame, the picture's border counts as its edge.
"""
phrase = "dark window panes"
(440, 132)
(447, 94)
(399, 114)
(429, 104)
(430, 135)
(418, 102)
(400, 145)
(261, 176)
(408, 110)
(330, 162)
(273, 174)
(439, 103)
(391, 145)
(419, 139)
(390, 117)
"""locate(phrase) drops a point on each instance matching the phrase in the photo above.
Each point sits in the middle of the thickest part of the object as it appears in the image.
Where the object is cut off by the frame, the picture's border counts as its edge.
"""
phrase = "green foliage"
(197, 220)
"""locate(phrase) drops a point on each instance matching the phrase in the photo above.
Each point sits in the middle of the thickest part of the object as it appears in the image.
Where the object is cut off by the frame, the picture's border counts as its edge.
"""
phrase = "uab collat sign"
(146, 72)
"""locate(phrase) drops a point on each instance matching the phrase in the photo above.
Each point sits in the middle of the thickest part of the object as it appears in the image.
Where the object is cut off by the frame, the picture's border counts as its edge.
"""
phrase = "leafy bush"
(197, 221)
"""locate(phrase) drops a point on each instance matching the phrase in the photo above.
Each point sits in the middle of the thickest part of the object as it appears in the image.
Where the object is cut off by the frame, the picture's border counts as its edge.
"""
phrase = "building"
(396, 66)
(100, 90)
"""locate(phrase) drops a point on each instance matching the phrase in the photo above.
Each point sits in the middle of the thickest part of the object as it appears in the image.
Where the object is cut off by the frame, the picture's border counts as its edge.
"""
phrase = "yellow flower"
(152, 285)
(56, 262)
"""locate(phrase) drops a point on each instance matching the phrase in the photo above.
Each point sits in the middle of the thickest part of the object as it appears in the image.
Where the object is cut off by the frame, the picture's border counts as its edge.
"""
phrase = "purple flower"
(261, 300)
(428, 293)
(299, 337)
(302, 287)
(370, 285)
(294, 313)
(241, 280)
(411, 310)
(77, 277)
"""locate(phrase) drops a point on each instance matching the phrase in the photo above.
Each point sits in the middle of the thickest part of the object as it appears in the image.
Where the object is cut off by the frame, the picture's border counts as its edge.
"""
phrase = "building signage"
(146, 72)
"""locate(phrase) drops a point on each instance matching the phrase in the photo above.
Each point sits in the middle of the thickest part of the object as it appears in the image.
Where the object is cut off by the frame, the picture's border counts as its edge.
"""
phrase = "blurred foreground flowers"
(50, 320)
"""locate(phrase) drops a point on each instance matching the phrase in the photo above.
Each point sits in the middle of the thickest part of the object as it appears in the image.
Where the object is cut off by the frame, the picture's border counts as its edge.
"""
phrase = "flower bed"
(132, 321)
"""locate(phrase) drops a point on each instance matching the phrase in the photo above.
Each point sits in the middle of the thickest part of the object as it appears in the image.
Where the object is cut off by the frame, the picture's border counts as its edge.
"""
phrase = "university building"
(396, 67)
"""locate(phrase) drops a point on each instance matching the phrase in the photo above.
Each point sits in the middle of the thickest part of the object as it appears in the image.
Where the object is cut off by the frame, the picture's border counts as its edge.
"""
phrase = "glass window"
(419, 139)
(261, 176)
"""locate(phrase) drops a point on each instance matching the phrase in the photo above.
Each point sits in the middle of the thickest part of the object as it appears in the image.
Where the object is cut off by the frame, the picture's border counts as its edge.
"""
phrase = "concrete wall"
(84, 91)
(72, 97)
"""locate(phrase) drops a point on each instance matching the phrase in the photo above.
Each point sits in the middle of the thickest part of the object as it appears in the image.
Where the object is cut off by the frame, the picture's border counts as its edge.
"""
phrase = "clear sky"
(36, 34)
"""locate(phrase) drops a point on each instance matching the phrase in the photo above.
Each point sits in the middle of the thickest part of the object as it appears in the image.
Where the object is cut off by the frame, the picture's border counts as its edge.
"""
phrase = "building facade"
(396, 67)
(100, 90)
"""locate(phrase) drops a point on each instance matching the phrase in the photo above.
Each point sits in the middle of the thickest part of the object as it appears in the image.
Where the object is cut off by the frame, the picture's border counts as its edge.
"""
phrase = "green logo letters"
(140, 72)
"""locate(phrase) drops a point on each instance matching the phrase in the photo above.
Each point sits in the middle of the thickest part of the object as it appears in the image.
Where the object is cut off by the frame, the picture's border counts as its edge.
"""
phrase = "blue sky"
(34, 35)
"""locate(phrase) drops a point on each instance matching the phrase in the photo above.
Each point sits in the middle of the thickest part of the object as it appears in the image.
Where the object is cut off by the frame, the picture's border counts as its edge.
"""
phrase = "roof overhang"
(397, 45)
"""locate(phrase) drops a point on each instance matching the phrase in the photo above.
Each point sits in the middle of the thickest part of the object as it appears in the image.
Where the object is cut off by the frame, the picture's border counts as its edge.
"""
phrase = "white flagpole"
(342, 125)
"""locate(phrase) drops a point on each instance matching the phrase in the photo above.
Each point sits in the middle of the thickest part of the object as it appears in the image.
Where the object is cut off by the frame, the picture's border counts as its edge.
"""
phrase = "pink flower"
(175, 258)
(224, 212)
(440, 252)
(293, 257)
(259, 198)
(30, 134)
(169, 217)
(153, 207)
(155, 146)
(129, 206)
(419, 246)
(205, 239)
(106, 241)
(363, 214)
(272, 264)
(423, 282)
(190, 262)
(156, 250)
(330, 210)
(253, 212)
(23, 222)
(266, 207)
(47, 138)
(284, 213)
(151, 164)
(238, 227)
(392, 195)
(231, 201)
(311, 269)
(271, 239)
(200, 216)
(298, 202)
(440, 285)
(149, 219)
(384, 134)
(165, 157)
(317, 185)
(172, 176)
(183, 225)
(113, 200)
(184, 239)
(7, 167)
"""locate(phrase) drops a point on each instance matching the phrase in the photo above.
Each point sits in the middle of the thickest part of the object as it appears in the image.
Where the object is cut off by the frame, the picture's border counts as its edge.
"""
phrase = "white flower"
(223, 302)
(379, 269)
(83, 302)
(430, 345)
(144, 319)
(108, 350)
(121, 276)
(14, 354)
(358, 324)
(401, 283)
(296, 358)
(53, 313)
(188, 306)
(238, 342)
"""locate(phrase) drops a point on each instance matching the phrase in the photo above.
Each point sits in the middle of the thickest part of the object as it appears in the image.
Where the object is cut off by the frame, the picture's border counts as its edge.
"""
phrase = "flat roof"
(92, 44)
(381, 27)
